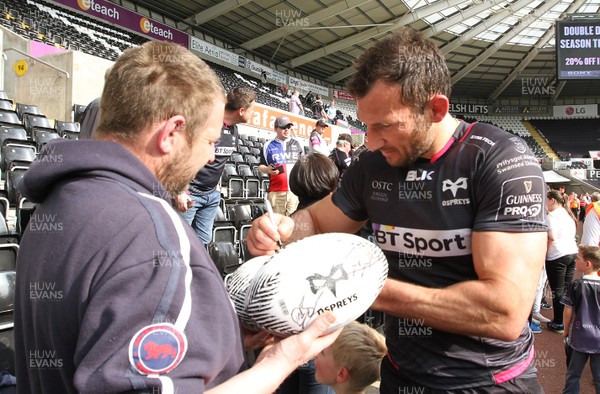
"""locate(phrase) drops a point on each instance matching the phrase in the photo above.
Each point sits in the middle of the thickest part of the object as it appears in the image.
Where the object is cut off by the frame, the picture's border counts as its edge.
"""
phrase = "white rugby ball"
(237, 284)
(336, 272)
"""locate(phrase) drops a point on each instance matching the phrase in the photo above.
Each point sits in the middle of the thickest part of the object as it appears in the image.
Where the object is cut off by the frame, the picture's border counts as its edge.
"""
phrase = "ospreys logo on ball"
(318, 281)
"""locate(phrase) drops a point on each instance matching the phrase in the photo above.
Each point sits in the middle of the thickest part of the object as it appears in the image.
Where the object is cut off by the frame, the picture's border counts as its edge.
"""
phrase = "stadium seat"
(225, 257)
(6, 105)
(8, 257)
(24, 211)
(12, 132)
(13, 176)
(9, 118)
(7, 305)
(31, 122)
(78, 110)
(16, 150)
(68, 130)
(42, 136)
(23, 109)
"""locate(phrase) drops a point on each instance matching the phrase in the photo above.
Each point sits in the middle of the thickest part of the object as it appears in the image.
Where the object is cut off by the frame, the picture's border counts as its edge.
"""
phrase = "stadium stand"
(582, 133)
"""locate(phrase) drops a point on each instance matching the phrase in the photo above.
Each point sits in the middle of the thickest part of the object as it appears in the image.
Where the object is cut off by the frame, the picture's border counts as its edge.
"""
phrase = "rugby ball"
(336, 272)
(237, 284)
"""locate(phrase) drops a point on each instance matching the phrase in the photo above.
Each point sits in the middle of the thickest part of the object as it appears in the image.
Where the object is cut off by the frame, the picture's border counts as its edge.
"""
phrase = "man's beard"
(176, 174)
(420, 142)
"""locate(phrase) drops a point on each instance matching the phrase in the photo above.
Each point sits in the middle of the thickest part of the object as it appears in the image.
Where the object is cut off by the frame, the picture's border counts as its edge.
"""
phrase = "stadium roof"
(491, 46)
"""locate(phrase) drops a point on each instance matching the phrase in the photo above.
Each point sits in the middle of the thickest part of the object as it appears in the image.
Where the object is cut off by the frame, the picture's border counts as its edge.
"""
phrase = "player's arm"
(495, 306)
(321, 217)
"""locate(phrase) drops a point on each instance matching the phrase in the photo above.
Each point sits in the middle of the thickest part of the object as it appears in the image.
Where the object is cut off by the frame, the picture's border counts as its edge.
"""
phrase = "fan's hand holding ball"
(284, 293)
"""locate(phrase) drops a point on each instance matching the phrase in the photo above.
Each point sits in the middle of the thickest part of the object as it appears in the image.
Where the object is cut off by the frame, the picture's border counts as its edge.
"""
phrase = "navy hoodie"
(111, 281)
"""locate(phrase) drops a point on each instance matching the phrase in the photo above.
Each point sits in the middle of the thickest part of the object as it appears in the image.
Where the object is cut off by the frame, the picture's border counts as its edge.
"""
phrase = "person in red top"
(278, 158)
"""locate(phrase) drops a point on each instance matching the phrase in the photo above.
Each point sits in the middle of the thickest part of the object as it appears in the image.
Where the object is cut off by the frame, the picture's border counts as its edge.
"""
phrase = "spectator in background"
(591, 224)
(582, 314)
(341, 156)
(318, 110)
(317, 142)
(278, 158)
(584, 201)
(200, 204)
(353, 362)
(574, 204)
(561, 253)
(330, 110)
(313, 177)
(295, 103)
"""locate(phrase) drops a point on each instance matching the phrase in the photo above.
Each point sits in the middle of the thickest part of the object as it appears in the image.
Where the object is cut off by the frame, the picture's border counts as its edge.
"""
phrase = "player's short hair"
(406, 59)
(360, 349)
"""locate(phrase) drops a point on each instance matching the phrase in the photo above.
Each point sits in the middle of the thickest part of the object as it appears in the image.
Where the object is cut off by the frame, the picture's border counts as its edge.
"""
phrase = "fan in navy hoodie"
(112, 285)
(115, 293)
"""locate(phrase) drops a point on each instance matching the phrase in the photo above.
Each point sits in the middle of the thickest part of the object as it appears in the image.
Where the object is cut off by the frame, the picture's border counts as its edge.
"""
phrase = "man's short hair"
(595, 196)
(360, 349)
(153, 82)
(405, 59)
(240, 97)
(591, 253)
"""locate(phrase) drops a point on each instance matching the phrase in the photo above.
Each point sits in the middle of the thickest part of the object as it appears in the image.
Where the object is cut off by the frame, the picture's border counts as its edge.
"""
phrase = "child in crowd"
(582, 317)
(353, 361)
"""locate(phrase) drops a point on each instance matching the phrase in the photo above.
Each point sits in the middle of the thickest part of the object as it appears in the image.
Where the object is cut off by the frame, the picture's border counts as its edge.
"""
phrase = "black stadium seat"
(225, 257)
(13, 132)
(9, 118)
(23, 109)
(15, 150)
(68, 130)
(31, 122)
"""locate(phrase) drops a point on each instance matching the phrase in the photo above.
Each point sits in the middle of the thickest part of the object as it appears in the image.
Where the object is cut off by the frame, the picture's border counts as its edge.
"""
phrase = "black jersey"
(423, 215)
(208, 177)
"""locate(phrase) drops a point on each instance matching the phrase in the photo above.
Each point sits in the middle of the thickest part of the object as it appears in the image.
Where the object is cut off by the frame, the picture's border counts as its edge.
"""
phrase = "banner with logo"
(342, 95)
(211, 50)
(458, 108)
(588, 162)
(519, 110)
(593, 175)
(575, 111)
(306, 86)
(595, 154)
(120, 16)
(264, 117)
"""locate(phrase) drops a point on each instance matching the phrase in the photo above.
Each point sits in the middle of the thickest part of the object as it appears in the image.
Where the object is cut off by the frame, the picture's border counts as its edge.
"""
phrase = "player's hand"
(263, 236)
